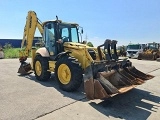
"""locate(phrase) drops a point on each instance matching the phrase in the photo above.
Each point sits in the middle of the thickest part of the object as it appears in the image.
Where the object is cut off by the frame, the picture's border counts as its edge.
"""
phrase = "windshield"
(152, 46)
(68, 32)
(133, 47)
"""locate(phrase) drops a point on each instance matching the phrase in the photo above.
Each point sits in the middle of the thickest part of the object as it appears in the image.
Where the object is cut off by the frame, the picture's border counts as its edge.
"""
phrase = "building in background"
(16, 43)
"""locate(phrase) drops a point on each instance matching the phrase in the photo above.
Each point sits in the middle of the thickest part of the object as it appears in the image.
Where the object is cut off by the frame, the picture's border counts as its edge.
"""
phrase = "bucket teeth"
(138, 74)
(130, 78)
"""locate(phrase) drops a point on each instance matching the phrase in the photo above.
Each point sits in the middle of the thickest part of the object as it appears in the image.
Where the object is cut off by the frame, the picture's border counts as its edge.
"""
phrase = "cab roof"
(60, 21)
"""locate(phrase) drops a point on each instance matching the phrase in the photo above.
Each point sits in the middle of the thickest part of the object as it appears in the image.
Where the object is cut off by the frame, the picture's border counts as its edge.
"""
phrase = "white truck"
(133, 50)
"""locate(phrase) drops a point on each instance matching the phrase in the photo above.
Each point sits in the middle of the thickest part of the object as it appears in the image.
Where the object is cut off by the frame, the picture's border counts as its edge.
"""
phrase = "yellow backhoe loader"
(72, 62)
(150, 52)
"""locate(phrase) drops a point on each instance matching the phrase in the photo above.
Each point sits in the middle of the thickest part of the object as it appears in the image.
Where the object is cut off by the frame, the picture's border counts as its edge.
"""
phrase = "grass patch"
(11, 53)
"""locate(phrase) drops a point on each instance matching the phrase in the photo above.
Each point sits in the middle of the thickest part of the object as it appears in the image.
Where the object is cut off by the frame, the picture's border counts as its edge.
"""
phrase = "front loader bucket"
(114, 82)
(106, 84)
(146, 56)
(25, 68)
(110, 83)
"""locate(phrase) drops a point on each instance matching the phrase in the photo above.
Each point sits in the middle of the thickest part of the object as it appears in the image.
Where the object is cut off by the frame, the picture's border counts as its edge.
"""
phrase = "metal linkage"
(109, 50)
(114, 50)
(106, 49)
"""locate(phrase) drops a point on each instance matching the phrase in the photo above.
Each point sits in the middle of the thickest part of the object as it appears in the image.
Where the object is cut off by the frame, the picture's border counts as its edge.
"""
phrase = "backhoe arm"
(32, 23)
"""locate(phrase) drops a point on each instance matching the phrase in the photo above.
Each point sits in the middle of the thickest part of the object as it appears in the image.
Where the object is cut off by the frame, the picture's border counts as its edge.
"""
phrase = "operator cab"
(153, 46)
(56, 33)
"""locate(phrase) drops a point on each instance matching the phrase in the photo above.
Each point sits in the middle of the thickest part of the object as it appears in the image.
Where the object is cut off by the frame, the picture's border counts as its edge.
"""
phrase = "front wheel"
(139, 57)
(41, 66)
(155, 56)
(68, 72)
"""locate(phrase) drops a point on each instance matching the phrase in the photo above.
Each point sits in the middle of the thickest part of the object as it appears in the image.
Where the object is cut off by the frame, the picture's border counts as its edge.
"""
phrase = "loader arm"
(32, 22)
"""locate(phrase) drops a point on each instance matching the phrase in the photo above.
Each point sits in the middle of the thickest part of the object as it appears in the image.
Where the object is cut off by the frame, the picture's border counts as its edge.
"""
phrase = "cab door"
(49, 37)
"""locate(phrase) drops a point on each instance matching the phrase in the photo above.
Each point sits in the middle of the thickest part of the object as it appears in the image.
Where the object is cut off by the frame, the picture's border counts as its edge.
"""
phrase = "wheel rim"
(38, 68)
(64, 74)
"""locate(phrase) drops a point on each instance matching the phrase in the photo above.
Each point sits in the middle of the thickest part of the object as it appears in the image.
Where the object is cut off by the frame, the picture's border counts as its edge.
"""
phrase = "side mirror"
(82, 30)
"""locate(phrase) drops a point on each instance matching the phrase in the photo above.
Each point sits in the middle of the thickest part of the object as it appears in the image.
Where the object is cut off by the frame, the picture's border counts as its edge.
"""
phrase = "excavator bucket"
(25, 68)
(106, 78)
(146, 56)
(151, 52)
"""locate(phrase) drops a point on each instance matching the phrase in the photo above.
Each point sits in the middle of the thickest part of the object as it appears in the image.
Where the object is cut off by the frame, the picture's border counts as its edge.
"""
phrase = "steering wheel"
(65, 39)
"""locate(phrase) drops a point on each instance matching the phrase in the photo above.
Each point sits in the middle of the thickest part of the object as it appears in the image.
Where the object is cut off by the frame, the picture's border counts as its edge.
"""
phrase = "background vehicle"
(133, 50)
(1, 52)
(121, 51)
(151, 52)
(73, 62)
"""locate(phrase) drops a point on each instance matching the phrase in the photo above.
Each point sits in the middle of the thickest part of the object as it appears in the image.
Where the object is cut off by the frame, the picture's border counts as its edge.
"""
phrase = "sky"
(127, 21)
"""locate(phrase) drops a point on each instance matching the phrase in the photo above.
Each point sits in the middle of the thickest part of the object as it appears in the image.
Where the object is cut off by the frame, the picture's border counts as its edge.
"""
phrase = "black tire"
(139, 57)
(75, 72)
(45, 75)
(155, 57)
(158, 59)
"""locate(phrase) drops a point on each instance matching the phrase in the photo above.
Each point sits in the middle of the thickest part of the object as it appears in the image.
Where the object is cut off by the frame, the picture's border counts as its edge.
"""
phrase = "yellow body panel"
(51, 66)
(33, 55)
(80, 52)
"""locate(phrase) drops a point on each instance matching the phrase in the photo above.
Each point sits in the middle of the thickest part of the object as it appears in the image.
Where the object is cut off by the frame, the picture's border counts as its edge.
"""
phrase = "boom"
(32, 22)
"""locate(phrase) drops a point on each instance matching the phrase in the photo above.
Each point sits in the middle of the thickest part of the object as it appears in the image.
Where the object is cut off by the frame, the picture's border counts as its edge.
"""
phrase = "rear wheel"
(139, 56)
(158, 59)
(40, 67)
(68, 72)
